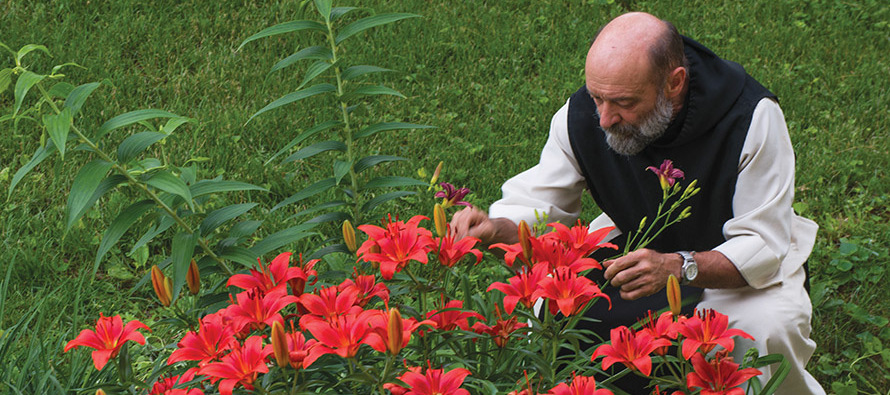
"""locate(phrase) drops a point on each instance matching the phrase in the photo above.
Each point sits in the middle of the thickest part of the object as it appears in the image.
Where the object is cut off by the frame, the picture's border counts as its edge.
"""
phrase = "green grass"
(488, 75)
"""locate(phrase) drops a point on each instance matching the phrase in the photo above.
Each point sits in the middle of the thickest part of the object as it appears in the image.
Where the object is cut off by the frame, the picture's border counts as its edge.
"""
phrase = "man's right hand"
(472, 222)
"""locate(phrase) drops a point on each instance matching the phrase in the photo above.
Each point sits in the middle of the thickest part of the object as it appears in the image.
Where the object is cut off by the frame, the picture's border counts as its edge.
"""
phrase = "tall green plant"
(172, 200)
(331, 74)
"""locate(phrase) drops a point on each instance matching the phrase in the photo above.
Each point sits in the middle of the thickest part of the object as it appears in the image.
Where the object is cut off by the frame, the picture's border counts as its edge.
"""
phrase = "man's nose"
(607, 116)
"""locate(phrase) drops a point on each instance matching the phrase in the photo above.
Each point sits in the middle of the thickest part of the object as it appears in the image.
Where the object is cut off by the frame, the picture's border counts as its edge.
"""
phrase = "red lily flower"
(108, 338)
(166, 385)
(662, 328)
(435, 382)
(390, 332)
(240, 366)
(396, 245)
(521, 287)
(452, 196)
(630, 348)
(301, 274)
(212, 340)
(450, 316)
(341, 335)
(706, 330)
(501, 330)
(581, 385)
(667, 174)
(721, 376)
(449, 252)
(327, 303)
(268, 278)
(581, 239)
(367, 288)
(511, 252)
(293, 346)
(396, 389)
(570, 291)
(255, 311)
(553, 251)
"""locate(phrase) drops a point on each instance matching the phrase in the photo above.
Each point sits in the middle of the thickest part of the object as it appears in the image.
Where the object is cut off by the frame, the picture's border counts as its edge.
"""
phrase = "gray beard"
(627, 139)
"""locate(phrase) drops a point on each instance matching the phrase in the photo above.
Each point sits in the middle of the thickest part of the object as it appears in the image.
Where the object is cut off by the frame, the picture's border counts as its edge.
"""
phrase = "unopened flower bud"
(524, 240)
(440, 219)
(159, 283)
(436, 174)
(100, 392)
(279, 344)
(349, 236)
(686, 212)
(642, 224)
(193, 278)
(673, 295)
(691, 190)
(394, 330)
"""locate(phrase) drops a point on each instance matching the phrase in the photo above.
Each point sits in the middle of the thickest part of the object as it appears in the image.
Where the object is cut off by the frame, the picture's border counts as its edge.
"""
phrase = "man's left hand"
(642, 272)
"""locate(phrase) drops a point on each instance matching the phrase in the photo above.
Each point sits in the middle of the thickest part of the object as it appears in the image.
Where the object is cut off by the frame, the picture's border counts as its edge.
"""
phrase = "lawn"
(487, 75)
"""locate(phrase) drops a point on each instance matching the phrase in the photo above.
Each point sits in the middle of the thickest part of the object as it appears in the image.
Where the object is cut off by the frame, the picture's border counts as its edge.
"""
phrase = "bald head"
(640, 42)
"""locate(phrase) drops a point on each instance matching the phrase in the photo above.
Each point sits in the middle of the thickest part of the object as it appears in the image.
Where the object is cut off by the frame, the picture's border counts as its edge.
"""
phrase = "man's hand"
(472, 222)
(642, 272)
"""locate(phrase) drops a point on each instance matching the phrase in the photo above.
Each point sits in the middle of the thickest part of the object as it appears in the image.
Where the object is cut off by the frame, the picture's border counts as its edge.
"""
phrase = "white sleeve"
(553, 186)
(758, 236)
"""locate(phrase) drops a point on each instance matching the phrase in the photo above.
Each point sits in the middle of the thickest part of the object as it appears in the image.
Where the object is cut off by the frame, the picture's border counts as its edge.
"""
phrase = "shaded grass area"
(488, 75)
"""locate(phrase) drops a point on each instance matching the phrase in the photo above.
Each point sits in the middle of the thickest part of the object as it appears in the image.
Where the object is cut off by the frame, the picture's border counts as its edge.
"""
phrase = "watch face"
(691, 272)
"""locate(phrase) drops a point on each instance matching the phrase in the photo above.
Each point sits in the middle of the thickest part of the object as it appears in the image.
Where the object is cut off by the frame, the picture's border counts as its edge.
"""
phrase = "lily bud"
(159, 283)
(686, 212)
(394, 332)
(691, 189)
(436, 174)
(193, 278)
(524, 236)
(100, 392)
(673, 295)
(642, 224)
(349, 236)
(440, 219)
(279, 344)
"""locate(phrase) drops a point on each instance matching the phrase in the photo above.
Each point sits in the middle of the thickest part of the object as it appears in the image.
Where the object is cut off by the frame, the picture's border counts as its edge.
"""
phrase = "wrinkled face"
(628, 138)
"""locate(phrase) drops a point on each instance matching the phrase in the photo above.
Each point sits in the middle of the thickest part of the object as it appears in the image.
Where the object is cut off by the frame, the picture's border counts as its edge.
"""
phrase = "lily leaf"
(167, 182)
(384, 126)
(27, 49)
(182, 251)
(369, 22)
(286, 27)
(356, 71)
(324, 8)
(25, 82)
(392, 181)
(314, 71)
(119, 226)
(58, 126)
(295, 96)
(135, 144)
(315, 149)
(79, 95)
(371, 161)
(309, 191)
(222, 215)
(39, 156)
(372, 91)
(282, 238)
(316, 52)
(131, 118)
(204, 187)
(82, 189)
(376, 201)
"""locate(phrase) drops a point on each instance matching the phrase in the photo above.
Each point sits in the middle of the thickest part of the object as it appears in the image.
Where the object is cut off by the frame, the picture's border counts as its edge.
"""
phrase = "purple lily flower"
(452, 196)
(667, 174)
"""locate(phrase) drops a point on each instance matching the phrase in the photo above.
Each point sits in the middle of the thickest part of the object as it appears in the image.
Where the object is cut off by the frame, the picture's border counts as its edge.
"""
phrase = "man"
(652, 95)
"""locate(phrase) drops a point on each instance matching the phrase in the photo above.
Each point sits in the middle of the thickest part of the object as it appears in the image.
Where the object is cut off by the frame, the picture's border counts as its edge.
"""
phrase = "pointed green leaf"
(369, 22)
(337, 12)
(315, 209)
(174, 123)
(372, 91)
(161, 226)
(79, 95)
(282, 238)
(61, 90)
(303, 136)
(316, 53)
(371, 161)
(25, 82)
(131, 118)
(376, 201)
(384, 126)
(27, 49)
(183, 250)
(58, 125)
(295, 96)
(58, 67)
(83, 187)
(5, 79)
(336, 217)
(315, 149)
(324, 8)
(286, 27)
(777, 378)
(167, 182)
(341, 168)
(314, 71)
(240, 255)
(106, 185)
(119, 226)
(204, 187)
(309, 191)
(392, 181)
(135, 144)
(223, 215)
(39, 155)
(356, 71)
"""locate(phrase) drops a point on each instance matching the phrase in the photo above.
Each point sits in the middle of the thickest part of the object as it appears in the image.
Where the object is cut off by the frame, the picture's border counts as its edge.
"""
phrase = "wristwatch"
(689, 271)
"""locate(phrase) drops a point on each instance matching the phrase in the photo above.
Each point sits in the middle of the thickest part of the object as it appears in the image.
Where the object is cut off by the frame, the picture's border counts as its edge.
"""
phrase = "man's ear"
(675, 82)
